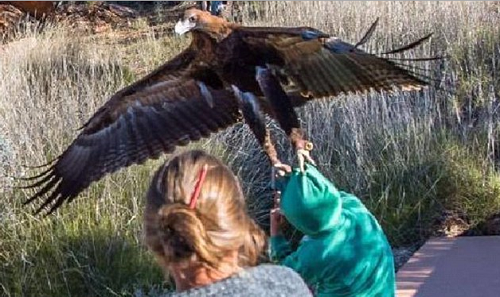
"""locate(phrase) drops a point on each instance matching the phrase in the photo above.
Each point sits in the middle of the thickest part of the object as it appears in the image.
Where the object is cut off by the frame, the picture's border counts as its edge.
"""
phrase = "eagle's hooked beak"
(183, 26)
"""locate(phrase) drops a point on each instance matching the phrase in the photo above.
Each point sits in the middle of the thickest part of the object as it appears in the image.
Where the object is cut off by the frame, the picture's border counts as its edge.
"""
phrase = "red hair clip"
(197, 187)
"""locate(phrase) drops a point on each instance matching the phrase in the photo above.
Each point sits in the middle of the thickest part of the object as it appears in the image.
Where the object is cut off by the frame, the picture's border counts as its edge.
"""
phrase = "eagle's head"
(199, 20)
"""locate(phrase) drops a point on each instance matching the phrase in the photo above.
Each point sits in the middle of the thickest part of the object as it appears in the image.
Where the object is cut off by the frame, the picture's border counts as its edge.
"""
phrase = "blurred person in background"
(214, 7)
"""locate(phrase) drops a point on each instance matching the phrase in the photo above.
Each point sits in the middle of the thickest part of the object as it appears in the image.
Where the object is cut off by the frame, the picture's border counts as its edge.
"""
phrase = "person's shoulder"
(271, 269)
(279, 280)
(258, 281)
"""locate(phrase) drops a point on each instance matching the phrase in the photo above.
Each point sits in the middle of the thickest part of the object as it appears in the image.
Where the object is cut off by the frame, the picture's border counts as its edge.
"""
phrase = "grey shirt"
(260, 281)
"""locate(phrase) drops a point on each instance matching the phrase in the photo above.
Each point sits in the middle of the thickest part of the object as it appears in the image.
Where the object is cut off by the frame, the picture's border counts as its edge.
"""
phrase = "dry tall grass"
(409, 156)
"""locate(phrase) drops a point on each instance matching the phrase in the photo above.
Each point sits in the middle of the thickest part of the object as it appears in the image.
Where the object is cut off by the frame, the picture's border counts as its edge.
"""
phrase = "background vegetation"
(411, 157)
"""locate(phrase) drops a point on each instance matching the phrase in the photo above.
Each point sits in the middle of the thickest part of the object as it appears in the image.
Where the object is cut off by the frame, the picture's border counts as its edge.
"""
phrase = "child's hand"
(276, 217)
(281, 169)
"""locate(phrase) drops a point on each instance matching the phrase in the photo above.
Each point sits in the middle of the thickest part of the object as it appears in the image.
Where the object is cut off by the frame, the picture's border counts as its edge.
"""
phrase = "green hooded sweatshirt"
(345, 252)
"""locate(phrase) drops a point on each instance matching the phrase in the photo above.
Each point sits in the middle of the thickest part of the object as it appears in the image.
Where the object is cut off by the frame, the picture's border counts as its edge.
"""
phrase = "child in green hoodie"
(345, 252)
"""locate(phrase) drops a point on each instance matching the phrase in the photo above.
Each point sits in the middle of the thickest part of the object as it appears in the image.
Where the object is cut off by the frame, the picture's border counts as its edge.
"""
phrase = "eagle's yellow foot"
(304, 155)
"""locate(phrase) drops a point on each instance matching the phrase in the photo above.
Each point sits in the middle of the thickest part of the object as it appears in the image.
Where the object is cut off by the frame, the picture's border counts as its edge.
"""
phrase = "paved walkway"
(453, 267)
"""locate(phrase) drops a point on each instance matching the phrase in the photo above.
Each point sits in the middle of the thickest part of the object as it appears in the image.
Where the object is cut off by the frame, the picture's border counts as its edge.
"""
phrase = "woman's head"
(215, 227)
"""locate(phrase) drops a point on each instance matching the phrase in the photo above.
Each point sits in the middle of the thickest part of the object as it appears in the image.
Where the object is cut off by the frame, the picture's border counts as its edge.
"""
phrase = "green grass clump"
(94, 248)
(409, 201)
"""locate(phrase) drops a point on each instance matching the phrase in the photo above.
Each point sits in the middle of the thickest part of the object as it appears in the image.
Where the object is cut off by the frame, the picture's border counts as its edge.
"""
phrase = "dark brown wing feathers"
(409, 46)
(149, 123)
(367, 35)
(327, 66)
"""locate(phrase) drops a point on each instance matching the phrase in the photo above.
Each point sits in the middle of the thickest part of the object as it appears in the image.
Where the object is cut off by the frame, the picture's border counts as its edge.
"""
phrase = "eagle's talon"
(303, 156)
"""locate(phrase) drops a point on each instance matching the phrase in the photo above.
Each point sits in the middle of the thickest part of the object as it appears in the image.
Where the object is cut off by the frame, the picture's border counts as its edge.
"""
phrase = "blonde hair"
(217, 225)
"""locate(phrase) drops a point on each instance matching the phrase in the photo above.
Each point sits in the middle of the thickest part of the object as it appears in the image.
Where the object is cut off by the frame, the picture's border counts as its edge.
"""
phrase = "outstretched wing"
(315, 65)
(168, 108)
